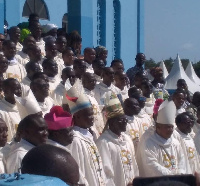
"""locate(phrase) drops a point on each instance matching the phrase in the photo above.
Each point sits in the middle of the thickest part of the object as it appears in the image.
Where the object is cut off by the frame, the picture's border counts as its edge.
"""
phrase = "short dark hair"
(116, 61)
(7, 83)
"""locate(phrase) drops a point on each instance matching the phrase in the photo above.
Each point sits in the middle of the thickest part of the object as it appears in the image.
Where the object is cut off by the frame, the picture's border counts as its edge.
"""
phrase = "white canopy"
(165, 72)
(191, 74)
(177, 72)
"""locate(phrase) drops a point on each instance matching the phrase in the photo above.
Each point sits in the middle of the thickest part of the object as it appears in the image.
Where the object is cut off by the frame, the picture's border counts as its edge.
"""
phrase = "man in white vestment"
(184, 127)
(160, 154)
(89, 57)
(98, 66)
(31, 69)
(3, 140)
(22, 55)
(146, 120)
(104, 87)
(116, 148)
(15, 69)
(33, 130)
(83, 147)
(40, 89)
(50, 68)
(131, 109)
(89, 82)
(179, 99)
(61, 43)
(79, 67)
(8, 108)
(121, 85)
(14, 33)
(57, 95)
(60, 131)
(147, 91)
(36, 32)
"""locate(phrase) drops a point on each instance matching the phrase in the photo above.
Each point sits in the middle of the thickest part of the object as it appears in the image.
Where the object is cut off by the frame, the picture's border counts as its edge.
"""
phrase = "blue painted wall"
(1, 16)
(83, 17)
(56, 10)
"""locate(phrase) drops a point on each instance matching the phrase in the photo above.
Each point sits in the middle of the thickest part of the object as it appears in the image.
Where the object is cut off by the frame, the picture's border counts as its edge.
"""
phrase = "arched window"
(101, 22)
(36, 6)
(116, 29)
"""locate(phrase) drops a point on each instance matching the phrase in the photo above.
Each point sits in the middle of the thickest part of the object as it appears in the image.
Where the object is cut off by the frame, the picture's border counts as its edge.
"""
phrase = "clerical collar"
(130, 118)
(186, 136)
(83, 131)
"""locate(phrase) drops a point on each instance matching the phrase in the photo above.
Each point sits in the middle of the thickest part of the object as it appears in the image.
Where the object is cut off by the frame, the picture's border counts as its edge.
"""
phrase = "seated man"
(33, 131)
(184, 128)
(9, 112)
(89, 57)
(145, 119)
(116, 148)
(64, 167)
(89, 82)
(57, 95)
(98, 66)
(15, 69)
(83, 147)
(40, 89)
(159, 153)
(105, 86)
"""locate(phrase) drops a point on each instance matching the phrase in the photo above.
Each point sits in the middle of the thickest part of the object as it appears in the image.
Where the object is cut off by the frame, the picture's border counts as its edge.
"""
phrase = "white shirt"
(87, 156)
(46, 105)
(118, 157)
(157, 156)
(16, 154)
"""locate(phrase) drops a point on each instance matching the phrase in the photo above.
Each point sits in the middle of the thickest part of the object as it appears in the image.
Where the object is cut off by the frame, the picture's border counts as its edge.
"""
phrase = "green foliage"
(150, 64)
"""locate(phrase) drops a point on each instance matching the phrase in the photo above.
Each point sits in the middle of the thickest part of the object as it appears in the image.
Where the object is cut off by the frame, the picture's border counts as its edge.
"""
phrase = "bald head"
(39, 161)
(88, 81)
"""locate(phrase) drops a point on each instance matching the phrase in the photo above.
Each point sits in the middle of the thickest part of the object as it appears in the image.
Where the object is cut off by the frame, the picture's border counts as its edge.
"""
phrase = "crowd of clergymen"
(112, 126)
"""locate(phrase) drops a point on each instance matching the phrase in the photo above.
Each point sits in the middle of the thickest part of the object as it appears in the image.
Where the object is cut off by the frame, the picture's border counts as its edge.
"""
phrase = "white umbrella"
(177, 72)
(191, 74)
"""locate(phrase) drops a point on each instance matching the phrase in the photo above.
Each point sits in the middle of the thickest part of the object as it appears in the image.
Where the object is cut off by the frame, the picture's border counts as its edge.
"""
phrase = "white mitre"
(27, 105)
(167, 113)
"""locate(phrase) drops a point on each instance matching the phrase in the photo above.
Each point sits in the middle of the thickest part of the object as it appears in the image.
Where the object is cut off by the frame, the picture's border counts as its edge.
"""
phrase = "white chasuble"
(16, 154)
(86, 154)
(191, 152)
(10, 114)
(118, 156)
(157, 156)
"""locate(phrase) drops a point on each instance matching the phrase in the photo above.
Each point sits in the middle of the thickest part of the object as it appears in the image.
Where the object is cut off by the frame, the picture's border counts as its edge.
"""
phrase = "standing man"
(89, 57)
(116, 148)
(159, 153)
(33, 132)
(83, 148)
(140, 59)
